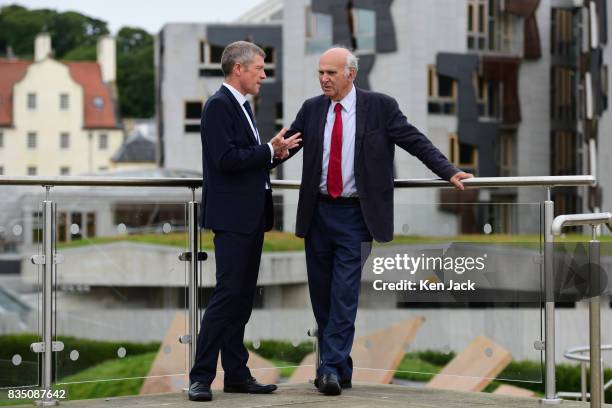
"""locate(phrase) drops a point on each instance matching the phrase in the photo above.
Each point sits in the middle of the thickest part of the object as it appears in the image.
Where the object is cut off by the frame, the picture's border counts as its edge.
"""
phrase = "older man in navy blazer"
(346, 198)
(237, 206)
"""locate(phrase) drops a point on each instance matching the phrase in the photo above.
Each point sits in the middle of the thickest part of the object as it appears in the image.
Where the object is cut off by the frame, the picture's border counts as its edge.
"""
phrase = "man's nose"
(263, 74)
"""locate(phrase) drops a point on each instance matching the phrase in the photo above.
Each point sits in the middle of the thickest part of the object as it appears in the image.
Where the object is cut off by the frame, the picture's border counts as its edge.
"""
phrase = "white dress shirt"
(348, 144)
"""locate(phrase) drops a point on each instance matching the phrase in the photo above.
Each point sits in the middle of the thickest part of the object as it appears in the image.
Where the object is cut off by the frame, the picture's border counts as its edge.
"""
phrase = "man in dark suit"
(346, 198)
(237, 206)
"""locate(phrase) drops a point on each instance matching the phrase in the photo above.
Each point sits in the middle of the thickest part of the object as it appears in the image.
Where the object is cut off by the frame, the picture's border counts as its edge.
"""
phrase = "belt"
(339, 200)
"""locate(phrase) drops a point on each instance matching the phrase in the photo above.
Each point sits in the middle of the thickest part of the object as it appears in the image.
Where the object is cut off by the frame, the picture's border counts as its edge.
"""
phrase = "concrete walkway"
(305, 395)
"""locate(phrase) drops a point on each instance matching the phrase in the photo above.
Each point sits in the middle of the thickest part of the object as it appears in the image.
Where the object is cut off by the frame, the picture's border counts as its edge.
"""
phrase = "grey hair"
(352, 61)
(239, 52)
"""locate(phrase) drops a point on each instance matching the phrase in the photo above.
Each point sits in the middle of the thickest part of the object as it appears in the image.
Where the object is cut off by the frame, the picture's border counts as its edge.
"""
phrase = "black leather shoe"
(250, 386)
(328, 384)
(344, 383)
(199, 392)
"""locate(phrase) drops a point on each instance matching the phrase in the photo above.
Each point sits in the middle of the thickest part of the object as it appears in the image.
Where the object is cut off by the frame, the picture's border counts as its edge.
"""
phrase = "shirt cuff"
(271, 152)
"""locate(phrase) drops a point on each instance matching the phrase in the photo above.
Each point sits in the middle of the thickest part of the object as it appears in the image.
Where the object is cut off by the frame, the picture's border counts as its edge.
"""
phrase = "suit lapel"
(361, 115)
(321, 116)
(239, 112)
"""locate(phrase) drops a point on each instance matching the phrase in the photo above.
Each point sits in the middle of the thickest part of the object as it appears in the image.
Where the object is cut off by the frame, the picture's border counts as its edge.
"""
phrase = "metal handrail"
(595, 361)
(476, 182)
(48, 260)
(574, 354)
(581, 219)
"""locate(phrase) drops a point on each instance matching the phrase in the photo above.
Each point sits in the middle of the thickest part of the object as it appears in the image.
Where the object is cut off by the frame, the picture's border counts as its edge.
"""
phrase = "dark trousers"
(337, 244)
(229, 309)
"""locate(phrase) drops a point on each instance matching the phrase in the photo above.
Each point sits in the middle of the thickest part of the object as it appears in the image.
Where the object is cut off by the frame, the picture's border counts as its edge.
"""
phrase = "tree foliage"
(74, 37)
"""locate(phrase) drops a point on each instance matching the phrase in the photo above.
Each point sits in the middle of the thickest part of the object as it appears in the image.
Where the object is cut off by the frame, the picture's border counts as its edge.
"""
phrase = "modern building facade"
(502, 87)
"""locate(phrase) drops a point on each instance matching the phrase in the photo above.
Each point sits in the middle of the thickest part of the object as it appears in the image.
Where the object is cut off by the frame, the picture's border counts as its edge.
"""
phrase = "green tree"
(74, 37)
(19, 26)
(135, 73)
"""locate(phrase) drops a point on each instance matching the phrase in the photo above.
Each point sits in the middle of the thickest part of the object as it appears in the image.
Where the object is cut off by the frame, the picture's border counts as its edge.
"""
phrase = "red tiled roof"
(11, 71)
(86, 74)
(89, 76)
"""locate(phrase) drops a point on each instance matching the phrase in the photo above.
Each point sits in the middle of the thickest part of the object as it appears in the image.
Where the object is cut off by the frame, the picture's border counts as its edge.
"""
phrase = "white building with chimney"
(58, 117)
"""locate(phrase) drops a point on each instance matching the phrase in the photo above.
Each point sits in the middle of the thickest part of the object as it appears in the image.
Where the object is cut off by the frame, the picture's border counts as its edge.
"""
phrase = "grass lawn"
(285, 241)
(128, 367)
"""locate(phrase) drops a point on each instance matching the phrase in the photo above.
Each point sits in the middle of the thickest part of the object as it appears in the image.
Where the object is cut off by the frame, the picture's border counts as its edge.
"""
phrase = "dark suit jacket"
(380, 125)
(236, 168)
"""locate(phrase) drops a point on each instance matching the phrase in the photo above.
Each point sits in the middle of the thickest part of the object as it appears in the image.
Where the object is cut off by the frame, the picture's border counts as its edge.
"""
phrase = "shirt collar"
(239, 97)
(348, 102)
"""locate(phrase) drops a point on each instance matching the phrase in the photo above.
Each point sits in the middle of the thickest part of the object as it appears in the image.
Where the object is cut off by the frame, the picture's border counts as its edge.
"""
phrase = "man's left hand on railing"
(456, 179)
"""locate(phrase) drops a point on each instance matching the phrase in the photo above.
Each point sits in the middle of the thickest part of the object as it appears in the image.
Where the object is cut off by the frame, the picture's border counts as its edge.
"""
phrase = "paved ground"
(305, 395)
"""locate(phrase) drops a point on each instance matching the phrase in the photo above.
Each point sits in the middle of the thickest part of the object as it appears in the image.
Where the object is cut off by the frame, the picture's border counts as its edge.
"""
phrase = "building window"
(1, 170)
(489, 97)
(278, 116)
(102, 168)
(192, 128)
(91, 225)
(76, 219)
(441, 93)
(193, 112)
(64, 102)
(31, 140)
(364, 30)
(318, 31)
(561, 29)
(31, 170)
(64, 140)
(64, 171)
(462, 155)
(210, 59)
(31, 101)
(563, 94)
(210, 54)
(564, 148)
(489, 28)
(98, 102)
(103, 141)
(1, 139)
(505, 154)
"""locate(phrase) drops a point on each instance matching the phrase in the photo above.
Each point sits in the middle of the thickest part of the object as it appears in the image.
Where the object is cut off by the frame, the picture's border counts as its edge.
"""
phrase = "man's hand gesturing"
(282, 146)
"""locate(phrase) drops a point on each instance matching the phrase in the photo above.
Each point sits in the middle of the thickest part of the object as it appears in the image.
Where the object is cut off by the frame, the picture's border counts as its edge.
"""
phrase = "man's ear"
(237, 69)
(352, 73)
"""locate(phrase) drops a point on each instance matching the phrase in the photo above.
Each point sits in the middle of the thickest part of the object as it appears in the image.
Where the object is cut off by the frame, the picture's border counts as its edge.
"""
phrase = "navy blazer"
(380, 125)
(236, 168)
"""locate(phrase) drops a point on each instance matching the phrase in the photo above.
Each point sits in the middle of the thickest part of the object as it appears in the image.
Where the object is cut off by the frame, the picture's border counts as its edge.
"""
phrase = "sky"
(150, 15)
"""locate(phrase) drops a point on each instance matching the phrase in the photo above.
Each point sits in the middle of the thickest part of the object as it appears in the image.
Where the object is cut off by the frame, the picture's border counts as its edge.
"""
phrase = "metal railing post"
(48, 264)
(594, 220)
(595, 321)
(193, 257)
(194, 267)
(550, 394)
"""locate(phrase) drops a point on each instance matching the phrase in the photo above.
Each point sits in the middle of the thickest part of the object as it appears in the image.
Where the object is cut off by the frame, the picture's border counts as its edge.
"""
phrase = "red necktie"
(334, 167)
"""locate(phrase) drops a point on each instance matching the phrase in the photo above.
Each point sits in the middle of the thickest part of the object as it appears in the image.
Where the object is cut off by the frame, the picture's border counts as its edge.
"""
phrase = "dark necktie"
(334, 167)
(247, 107)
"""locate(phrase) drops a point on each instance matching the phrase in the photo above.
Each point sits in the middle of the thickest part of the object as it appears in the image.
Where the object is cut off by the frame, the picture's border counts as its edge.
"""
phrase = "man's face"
(333, 77)
(252, 74)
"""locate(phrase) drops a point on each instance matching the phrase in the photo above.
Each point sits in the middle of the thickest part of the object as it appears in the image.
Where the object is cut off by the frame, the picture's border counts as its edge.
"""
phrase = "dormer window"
(98, 102)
